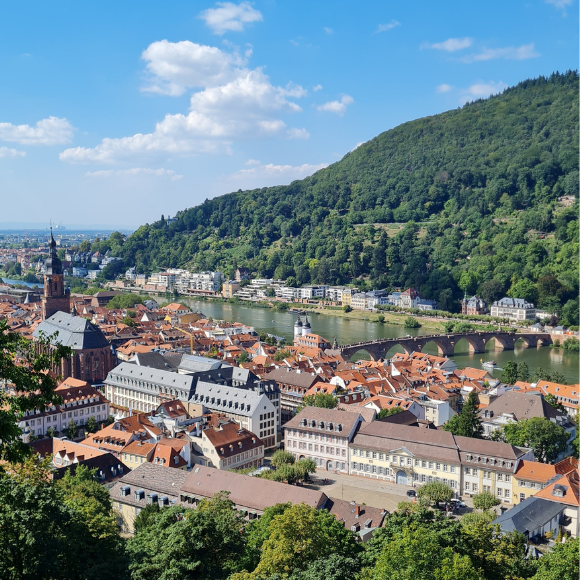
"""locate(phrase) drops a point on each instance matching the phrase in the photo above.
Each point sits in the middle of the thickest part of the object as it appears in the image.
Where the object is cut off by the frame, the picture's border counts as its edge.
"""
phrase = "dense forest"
(466, 201)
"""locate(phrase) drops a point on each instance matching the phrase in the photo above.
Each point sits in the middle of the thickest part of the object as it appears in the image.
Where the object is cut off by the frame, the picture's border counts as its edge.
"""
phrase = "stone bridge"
(445, 343)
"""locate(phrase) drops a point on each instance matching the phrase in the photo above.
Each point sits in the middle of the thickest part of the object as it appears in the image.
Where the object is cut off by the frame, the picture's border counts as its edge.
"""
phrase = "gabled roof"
(564, 490)
(73, 331)
(529, 515)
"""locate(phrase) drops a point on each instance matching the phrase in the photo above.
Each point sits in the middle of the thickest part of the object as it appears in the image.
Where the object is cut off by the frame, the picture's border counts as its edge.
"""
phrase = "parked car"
(457, 503)
(411, 493)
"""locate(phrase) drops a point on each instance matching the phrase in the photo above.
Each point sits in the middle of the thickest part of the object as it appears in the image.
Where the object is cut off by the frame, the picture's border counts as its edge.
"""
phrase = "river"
(348, 331)
(29, 284)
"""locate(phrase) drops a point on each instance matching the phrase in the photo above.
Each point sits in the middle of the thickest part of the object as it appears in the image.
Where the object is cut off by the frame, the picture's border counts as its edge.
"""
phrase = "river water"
(12, 282)
(348, 331)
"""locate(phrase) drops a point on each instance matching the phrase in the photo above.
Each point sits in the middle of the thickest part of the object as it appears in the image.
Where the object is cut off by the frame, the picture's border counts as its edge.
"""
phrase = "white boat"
(488, 364)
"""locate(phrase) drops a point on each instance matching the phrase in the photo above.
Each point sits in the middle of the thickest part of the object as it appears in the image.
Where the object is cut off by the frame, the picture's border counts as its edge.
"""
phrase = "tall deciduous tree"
(25, 366)
(467, 423)
(546, 439)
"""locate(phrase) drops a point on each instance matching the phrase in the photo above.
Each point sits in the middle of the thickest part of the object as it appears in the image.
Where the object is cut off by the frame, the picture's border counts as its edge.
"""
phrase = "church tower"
(55, 299)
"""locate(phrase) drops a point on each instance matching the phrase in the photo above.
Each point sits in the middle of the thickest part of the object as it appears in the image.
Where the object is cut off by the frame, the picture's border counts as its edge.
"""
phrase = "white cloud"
(523, 52)
(293, 90)
(176, 66)
(560, 4)
(449, 45)
(8, 152)
(386, 27)
(328, 30)
(482, 91)
(443, 88)
(317, 88)
(136, 171)
(295, 133)
(338, 107)
(51, 131)
(230, 17)
(252, 162)
(247, 107)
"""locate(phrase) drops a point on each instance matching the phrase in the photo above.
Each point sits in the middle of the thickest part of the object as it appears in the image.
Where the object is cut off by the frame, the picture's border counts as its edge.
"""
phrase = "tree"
(525, 289)
(552, 400)
(300, 536)
(523, 372)
(34, 388)
(509, 374)
(207, 543)
(146, 517)
(491, 291)
(576, 441)
(281, 457)
(411, 322)
(560, 563)
(420, 554)
(467, 423)
(92, 426)
(468, 282)
(280, 355)
(72, 429)
(485, 501)
(61, 531)
(388, 412)
(244, 357)
(324, 400)
(435, 492)
(347, 308)
(50, 432)
(332, 567)
(546, 439)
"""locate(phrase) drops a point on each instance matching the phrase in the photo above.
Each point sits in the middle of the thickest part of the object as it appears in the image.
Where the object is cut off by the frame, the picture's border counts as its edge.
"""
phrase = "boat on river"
(488, 364)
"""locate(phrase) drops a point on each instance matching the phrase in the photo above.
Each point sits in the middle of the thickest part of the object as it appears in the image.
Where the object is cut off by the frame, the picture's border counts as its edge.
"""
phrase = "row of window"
(400, 460)
(319, 448)
(318, 436)
(487, 474)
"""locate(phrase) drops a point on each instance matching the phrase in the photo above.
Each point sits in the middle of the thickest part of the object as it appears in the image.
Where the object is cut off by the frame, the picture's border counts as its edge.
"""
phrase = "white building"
(516, 309)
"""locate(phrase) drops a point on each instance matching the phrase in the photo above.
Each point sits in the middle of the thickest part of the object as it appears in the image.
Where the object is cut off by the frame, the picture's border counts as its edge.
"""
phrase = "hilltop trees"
(455, 202)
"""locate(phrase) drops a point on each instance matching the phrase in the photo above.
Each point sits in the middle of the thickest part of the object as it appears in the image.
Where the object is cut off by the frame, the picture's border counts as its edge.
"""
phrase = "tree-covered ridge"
(474, 190)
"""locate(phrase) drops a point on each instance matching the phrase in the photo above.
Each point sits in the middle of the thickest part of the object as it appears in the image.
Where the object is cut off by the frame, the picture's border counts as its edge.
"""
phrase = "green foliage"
(561, 563)
(411, 322)
(571, 344)
(389, 412)
(244, 357)
(123, 301)
(91, 425)
(300, 536)
(485, 501)
(22, 366)
(207, 543)
(436, 492)
(281, 457)
(324, 400)
(72, 430)
(57, 531)
(408, 208)
(280, 355)
(545, 438)
(347, 308)
(509, 374)
(467, 423)
(552, 400)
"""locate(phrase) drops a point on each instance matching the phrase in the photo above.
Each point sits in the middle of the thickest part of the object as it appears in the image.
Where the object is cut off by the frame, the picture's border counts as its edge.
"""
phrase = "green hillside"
(464, 200)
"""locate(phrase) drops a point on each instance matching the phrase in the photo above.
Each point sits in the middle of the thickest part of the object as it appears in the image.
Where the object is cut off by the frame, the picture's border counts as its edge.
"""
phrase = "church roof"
(73, 331)
(52, 264)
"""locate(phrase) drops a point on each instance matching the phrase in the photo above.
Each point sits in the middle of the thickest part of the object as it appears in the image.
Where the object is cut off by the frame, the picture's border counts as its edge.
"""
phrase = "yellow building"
(137, 453)
(230, 288)
(531, 477)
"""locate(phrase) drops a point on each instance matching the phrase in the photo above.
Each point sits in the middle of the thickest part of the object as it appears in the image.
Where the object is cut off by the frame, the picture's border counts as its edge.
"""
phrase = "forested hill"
(464, 200)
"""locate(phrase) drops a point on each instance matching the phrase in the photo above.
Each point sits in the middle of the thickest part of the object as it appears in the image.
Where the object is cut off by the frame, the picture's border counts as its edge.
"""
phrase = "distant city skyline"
(119, 114)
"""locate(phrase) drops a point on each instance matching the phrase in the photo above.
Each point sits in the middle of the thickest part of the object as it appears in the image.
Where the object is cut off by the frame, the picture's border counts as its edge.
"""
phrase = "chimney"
(357, 511)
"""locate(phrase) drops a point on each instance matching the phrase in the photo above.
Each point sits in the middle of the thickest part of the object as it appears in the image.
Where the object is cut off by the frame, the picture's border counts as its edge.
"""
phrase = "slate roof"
(154, 360)
(326, 416)
(529, 515)
(218, 397)
(73, 331)
(522, 406)
(152, 375)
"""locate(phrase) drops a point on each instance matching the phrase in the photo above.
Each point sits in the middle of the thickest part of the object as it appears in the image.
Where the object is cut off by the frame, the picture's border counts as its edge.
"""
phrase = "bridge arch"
(443, 349)
(523, 341)
(497, 343)
(470, 343)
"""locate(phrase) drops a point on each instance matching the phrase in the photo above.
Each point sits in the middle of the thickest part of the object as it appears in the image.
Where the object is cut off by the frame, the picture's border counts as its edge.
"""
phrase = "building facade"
(515, 309)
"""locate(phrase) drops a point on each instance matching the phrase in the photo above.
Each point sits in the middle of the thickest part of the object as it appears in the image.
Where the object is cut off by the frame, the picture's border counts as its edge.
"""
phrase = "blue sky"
(118, 112)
